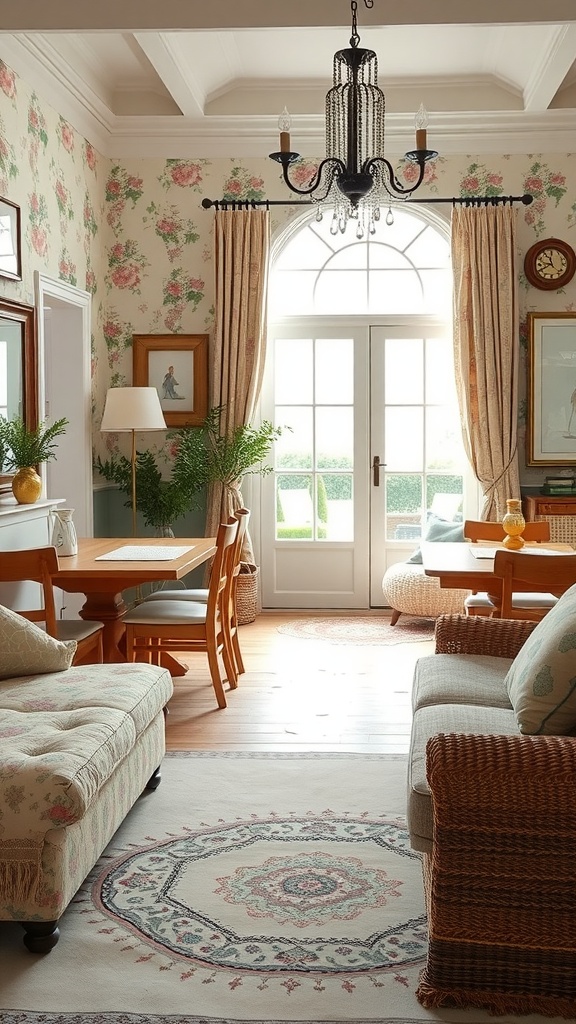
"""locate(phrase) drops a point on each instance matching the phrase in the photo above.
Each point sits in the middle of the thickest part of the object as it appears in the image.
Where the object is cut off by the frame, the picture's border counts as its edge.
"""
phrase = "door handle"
(376, 464)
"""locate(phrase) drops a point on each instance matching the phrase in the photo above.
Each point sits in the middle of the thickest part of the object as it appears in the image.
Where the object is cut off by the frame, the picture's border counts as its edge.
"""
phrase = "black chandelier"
(355, 177)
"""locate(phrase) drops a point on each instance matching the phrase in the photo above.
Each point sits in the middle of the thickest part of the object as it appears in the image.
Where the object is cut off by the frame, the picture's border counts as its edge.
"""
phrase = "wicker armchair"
(500, 892)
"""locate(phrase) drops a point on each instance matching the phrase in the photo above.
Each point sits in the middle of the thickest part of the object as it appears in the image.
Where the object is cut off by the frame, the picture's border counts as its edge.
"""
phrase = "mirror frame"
(21, 313)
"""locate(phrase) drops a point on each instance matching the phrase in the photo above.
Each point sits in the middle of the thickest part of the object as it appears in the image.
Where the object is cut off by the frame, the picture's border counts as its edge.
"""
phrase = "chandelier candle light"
(355, 177)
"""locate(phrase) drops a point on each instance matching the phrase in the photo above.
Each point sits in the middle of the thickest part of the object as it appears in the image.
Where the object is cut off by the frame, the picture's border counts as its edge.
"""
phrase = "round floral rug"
(360, 629)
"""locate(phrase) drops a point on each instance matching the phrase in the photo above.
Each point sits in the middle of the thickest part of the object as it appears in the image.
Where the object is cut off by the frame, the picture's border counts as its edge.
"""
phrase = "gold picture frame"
(177, 366)
(551, 414)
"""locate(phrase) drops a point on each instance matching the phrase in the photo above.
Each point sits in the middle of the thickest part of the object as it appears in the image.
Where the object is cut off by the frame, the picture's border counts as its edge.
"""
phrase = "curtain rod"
(251, 204)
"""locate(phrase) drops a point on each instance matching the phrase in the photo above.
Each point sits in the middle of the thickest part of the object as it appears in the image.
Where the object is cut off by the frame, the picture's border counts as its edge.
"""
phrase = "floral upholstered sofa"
(78, 745)
(492, 808)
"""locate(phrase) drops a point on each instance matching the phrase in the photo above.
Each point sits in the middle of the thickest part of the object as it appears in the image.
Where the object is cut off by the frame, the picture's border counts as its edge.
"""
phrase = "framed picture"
(177, 366)
(551, 421)
(10, 256)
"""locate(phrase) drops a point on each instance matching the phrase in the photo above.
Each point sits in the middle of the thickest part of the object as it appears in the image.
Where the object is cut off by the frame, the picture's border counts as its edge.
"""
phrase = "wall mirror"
(18, 367)
(551, 420)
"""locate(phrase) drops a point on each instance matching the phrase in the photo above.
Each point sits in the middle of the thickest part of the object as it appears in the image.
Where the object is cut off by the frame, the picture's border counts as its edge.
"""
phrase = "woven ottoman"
(409, 591)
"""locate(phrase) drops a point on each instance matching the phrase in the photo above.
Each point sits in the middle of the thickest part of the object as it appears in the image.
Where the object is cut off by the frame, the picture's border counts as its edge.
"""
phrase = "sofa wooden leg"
(394, 617)
(155, 779)
(41, 936)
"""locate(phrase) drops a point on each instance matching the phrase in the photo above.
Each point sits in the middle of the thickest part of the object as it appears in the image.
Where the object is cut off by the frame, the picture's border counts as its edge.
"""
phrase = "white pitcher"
(64, 536)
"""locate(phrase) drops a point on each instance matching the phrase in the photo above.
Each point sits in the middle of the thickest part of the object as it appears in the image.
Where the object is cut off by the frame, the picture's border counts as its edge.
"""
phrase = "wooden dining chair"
(172, 624)
(37, 565)
(228, 597)
(533, 571)
(477, 530)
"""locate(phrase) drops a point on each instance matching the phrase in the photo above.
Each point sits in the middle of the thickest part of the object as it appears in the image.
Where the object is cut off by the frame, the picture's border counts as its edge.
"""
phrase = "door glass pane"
(443, 440)
(404, 376)
(335, 505)
(334, 437)
(294, 449)
(294, 507)
(403, 506)
(440, 385)
(293, 379)
(444, 496)
(334, 370)
(404, 441)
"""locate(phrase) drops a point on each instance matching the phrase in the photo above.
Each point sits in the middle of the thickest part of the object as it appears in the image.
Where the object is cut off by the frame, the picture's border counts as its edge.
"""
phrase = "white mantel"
(26, 526)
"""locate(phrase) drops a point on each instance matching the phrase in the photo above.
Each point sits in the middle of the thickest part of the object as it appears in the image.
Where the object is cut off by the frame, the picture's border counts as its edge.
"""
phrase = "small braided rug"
(360, 629)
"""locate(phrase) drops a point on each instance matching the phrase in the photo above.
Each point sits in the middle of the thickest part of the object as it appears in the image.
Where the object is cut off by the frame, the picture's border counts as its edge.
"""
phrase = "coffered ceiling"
(176, 78)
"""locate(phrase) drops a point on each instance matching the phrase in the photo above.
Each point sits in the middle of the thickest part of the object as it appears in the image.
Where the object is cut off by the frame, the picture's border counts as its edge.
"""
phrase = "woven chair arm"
(478, 634)
(485, 786)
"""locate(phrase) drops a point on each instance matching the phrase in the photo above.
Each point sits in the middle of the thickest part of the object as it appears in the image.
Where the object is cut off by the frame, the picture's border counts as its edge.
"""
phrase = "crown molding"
(452, 132)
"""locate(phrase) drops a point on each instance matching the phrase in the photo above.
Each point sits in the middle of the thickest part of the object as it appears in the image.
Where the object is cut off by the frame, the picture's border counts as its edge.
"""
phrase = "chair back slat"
(521, 571)
(475, 530)
(35, 565)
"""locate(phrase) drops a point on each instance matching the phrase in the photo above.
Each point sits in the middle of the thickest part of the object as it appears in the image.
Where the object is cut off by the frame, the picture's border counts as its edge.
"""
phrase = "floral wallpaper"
(133, 233)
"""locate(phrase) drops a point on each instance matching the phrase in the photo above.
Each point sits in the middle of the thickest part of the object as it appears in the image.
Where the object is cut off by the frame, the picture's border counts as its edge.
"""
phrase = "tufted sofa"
(77, 748)
(491, 782)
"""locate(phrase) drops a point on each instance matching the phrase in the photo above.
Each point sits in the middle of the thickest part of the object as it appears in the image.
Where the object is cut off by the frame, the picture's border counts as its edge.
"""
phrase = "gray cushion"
(439, 531)
(461, 679)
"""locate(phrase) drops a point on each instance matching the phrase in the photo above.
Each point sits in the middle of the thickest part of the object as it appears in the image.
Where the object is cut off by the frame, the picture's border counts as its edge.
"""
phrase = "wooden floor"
(299, 694)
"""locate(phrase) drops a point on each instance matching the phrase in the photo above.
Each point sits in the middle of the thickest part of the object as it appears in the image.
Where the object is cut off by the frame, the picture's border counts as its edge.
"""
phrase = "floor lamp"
(132, 410)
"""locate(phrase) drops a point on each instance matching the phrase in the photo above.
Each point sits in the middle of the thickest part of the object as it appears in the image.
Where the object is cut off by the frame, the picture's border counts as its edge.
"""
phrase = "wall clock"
(550, 263)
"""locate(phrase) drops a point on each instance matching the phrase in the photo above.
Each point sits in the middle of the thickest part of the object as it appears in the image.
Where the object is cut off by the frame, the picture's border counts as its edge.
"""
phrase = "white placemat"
(143, 553)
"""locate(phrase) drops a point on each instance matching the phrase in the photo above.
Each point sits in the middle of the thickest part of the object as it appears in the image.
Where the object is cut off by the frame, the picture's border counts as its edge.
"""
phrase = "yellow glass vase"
(26, 486)
(513, 524)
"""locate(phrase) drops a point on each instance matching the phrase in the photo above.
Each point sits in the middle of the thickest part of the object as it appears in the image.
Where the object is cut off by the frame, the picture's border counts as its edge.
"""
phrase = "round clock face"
(550, 263)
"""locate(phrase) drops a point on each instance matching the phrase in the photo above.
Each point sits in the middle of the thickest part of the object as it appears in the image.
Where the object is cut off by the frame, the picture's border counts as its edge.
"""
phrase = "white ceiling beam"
(173, 15)
(547, 76)
(179, 80)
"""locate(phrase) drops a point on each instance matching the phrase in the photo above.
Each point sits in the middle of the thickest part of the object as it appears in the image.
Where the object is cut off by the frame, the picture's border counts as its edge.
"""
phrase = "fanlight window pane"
(404, 439)
(334, 370)
(341, 292)
(353, 257)
(304, 251)
(334, 437)
(404, 378)
(430, 250)
(437, 288)
(386, 257)
(292, 291)
(395, 291)
(293, 370)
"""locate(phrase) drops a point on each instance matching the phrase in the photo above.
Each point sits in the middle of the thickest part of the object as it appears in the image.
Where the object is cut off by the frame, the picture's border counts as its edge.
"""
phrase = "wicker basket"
(248, 593)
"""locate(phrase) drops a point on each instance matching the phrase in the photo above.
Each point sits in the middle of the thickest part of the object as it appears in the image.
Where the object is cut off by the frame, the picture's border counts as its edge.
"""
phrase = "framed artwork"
(551, 419)
(10, 254)
(177, 366)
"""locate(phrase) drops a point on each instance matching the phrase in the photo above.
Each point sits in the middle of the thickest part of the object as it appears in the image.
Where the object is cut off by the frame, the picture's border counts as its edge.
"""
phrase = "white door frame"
(75, 305)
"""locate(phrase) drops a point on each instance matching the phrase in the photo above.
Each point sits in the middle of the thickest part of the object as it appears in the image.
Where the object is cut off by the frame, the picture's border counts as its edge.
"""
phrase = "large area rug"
(360, 629)
(248, 888)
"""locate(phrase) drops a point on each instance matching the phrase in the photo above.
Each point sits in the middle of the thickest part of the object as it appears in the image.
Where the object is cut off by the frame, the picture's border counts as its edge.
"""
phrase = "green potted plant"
(23, 449)
(162, 501)
(208, 455)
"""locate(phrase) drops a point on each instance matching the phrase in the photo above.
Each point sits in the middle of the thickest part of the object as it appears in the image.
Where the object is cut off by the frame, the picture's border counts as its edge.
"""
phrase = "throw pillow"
(27, 650)
(541, 681)
(439, 530)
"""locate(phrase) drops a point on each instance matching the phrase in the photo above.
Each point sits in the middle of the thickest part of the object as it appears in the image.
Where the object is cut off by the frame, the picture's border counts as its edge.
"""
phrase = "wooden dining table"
(103, 581)
(458, 568)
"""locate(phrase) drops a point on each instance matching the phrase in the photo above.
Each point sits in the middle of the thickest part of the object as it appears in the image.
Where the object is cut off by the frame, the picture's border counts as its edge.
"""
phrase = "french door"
(370, 437)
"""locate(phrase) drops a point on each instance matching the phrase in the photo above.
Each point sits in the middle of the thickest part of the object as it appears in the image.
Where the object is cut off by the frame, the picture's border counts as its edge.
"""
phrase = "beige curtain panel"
(241, 253)
(486, 348)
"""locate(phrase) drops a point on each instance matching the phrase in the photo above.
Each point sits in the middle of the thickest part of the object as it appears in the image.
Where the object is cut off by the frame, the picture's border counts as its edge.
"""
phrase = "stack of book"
(559, 485)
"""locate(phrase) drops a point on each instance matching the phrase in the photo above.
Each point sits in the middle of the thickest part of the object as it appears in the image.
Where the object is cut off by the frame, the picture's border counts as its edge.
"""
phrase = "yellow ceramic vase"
(513, 524)
(26, 486)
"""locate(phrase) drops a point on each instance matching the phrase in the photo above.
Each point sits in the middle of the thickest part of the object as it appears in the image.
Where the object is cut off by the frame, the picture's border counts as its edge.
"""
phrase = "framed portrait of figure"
(177, 366)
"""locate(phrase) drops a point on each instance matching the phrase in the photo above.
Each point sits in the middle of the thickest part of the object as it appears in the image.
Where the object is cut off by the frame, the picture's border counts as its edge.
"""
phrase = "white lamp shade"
(132, 409)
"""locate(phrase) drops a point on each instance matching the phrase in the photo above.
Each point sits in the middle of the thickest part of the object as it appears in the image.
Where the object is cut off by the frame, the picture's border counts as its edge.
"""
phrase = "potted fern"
(23, 449)
(161, 501)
